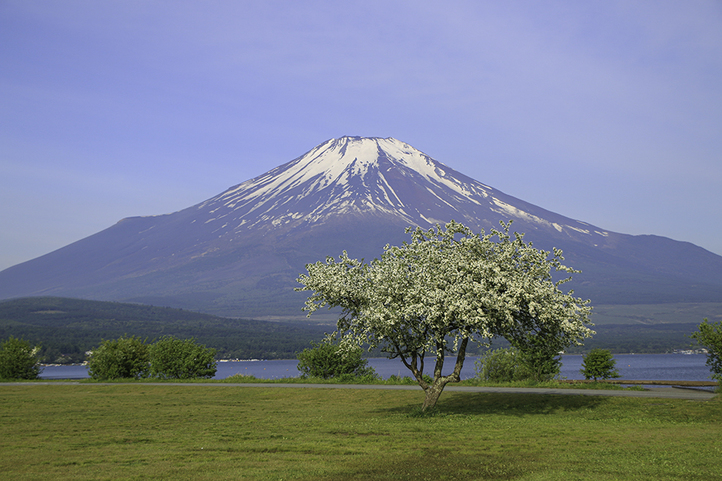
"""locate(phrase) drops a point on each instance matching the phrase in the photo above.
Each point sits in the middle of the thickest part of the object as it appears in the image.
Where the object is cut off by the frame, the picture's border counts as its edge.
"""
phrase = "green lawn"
(137, 431)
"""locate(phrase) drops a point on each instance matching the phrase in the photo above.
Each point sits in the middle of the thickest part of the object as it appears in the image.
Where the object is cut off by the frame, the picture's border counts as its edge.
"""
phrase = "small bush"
(18, 360)
(126, 357)
(502, 365)
(599, 364)
(172, 358)
(541, 364)
(327, 360)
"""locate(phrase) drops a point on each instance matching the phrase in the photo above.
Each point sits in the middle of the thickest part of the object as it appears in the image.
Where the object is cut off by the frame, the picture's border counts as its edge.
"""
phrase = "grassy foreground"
(137, 431)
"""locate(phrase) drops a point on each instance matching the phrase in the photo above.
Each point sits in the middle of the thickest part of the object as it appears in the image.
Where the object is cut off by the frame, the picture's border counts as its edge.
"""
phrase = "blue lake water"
(666, 367)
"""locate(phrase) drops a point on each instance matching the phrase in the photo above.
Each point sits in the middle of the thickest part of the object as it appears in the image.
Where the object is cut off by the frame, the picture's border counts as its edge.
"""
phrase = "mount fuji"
(238, 254)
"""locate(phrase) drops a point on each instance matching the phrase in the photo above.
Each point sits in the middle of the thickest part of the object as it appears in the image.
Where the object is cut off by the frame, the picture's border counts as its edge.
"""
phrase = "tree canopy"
(599, 364)
(326, 360)
(709, 335)
(172, 358)
(125, 357)
(18, 360)
(429, 297)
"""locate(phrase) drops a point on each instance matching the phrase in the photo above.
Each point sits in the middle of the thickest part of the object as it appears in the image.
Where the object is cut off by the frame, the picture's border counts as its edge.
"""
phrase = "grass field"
(136, 431)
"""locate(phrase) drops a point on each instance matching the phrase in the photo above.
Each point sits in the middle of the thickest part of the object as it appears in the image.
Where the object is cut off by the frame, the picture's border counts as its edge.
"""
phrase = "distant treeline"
(639, 338)
(630, 338)
(66, 328)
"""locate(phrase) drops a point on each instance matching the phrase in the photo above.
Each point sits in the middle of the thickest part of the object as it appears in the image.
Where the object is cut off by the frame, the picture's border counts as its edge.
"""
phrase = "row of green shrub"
(122, 358)
(171, 358)
(509, 365)
(167, 358)
(329, 360)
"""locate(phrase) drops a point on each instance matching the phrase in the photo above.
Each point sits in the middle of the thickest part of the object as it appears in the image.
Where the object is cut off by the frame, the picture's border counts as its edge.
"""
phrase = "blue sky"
(606, 112)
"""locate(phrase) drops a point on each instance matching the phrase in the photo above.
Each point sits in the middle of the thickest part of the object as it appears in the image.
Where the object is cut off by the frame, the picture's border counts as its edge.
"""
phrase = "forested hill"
(66, 328)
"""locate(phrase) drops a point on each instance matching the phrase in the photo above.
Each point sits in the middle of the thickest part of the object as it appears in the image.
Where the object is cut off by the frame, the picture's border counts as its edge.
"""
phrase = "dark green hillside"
(66, 328)
(638, 338)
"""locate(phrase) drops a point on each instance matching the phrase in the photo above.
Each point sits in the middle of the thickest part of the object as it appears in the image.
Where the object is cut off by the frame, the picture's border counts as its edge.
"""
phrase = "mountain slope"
(238, 253)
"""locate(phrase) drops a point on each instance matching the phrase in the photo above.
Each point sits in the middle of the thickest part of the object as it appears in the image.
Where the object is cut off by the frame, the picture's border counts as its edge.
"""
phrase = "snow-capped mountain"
(239, 253)
(357, 176)
(370, 177)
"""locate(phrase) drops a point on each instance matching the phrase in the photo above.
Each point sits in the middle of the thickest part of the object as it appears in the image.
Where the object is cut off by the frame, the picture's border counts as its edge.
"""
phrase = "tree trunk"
(433, 391)
(432, 395)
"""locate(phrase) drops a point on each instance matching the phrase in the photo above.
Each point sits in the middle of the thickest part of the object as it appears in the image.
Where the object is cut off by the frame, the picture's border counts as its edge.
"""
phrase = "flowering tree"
(448, 286)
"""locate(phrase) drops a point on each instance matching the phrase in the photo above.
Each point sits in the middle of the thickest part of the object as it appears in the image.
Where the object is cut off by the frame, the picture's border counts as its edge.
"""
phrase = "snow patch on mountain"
(514, 212)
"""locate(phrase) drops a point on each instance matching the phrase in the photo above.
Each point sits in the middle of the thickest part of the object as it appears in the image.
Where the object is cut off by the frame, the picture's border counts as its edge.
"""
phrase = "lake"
(665, 367)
